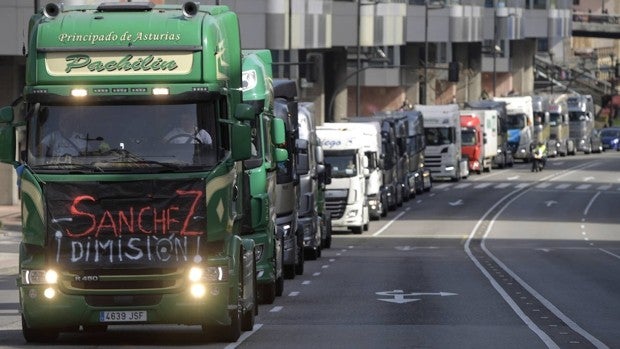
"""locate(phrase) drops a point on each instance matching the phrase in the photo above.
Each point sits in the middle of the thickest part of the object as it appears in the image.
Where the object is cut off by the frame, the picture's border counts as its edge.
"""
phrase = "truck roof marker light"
(190, 9)
(79, 92)
(51, 10)
(161, 91)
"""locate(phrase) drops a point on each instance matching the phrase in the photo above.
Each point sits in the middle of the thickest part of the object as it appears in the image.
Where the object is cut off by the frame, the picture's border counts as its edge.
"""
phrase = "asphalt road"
(507, 259)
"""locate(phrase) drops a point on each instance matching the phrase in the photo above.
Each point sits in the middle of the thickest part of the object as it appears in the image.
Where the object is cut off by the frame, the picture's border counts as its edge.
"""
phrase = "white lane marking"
(331, 260)
(543, 336)
(583, 186)
(482, 185)
(609, 253)
(244, 336)
(293, 294)
(387, 225)
(276, 309)
(503, 185)
(316, 273)
(325, 266)
(537, 330)
(307, 282)
(562, 186)
(587, 209)
(604, 187)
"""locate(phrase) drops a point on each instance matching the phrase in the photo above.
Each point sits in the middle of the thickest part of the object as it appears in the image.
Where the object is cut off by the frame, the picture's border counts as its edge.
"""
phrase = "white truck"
(369, 133)
(520, 125)
(345, 196)
(442, 130)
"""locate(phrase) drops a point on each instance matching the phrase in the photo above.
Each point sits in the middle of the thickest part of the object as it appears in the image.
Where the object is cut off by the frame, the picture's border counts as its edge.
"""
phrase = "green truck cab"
(261, 172)
(128, 217)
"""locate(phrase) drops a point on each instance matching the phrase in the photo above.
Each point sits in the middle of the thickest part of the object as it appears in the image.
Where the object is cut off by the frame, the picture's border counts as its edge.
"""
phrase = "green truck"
(261, 171)
(129, 215)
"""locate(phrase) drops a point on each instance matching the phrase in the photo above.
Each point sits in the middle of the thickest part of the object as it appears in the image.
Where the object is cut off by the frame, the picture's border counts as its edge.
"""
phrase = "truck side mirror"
(280, 154)
(241, 138)
(303, 160)
(244, 112)
(7, 136)
(278, 131)
(328, 174)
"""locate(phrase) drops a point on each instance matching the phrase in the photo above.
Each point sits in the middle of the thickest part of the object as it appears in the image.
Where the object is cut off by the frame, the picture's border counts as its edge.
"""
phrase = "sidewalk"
(10, 217)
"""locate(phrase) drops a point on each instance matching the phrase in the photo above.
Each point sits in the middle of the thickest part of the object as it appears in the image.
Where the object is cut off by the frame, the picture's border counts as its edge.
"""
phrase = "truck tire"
(267, 293)
(357, 230)
(299, 267)
(45, 335)
(248, 316)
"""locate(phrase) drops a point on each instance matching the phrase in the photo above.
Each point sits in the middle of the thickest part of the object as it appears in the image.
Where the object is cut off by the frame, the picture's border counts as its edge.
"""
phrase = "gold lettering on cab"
(111, 37)
(127, 63)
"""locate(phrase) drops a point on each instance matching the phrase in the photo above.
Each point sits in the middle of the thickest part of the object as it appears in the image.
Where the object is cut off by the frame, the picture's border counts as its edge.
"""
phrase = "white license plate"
(122, 316)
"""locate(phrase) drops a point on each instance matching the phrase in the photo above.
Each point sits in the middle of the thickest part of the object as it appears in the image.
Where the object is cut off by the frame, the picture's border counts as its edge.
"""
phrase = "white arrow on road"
(399, 296)
(550, 203)
(458, 202)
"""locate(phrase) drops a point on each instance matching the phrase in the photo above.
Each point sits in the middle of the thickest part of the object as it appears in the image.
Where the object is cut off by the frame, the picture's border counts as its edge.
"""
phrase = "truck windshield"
(439, 135)
(516, 121)
(343, 163)
(555, 119)
(468, 136)
(577, 116)
(122, 138)
(539, 118)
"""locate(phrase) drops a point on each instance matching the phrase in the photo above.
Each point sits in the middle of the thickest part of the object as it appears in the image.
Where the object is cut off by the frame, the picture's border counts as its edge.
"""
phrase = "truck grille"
(433, 162)
(123, 282)
(336, 207)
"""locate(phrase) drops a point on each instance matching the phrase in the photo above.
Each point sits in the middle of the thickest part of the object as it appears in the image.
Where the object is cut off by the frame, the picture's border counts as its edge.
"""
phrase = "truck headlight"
(198, 290)
(352, 213)
(39, 277)
(216, 273)
(195, 274)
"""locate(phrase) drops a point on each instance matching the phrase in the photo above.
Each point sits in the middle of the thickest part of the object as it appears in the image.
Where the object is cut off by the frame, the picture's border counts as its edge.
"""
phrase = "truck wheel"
(328, 227)
(299, 267)
(289, 271)
(38, 335)
(279, 286)
(267, 293)
(248, 316)
(356, 230)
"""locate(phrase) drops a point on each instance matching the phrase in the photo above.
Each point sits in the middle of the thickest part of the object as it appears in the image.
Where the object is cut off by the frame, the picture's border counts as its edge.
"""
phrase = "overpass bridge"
(586, 24)
(579, 78)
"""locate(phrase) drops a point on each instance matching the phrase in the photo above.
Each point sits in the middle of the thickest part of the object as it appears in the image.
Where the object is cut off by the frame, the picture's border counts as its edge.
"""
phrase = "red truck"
(479, 143)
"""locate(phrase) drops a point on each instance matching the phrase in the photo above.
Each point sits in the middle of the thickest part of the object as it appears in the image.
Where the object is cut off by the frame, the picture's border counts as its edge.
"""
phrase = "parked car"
(596, 141)
(610, 136)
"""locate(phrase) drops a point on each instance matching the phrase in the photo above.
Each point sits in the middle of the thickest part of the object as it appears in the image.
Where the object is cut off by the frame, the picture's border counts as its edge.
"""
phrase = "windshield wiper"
(127, 157)
(64, 165)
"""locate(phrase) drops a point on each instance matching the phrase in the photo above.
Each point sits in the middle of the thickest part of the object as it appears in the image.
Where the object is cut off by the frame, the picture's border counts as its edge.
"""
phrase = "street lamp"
(358, 66)
(358, 92)
(436, 5)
